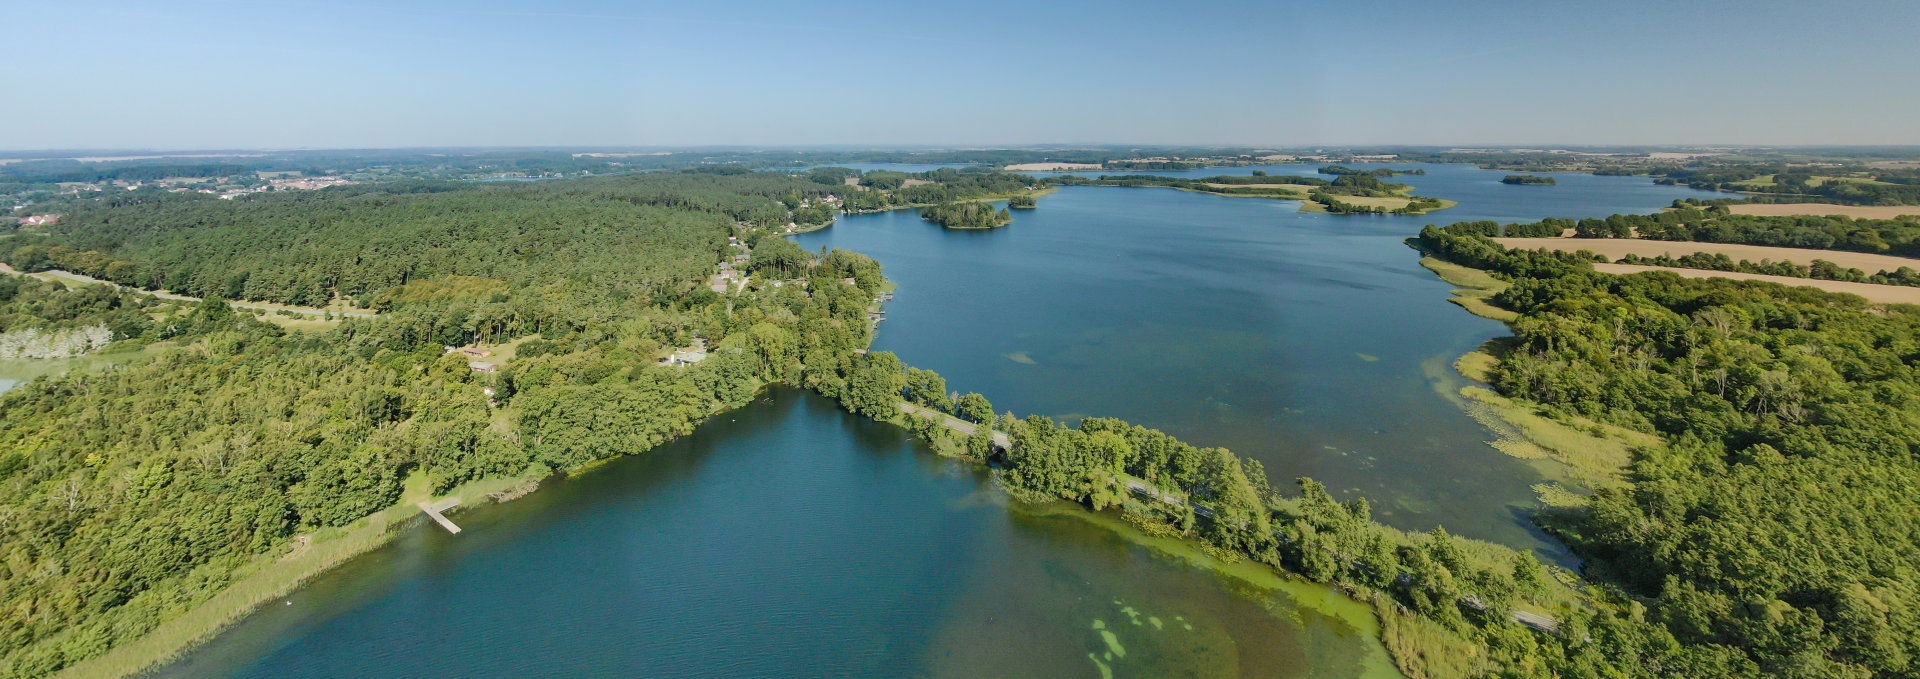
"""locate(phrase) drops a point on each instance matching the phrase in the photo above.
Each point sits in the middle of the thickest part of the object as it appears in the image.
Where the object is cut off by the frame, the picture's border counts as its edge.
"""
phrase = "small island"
(1023, 201)
(966, 216)
(1529, 180)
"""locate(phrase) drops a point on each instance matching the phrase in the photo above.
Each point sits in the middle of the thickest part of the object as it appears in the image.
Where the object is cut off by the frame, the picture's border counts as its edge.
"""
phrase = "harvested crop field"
(1615, 248)
(1854, 211)
(1879, 294)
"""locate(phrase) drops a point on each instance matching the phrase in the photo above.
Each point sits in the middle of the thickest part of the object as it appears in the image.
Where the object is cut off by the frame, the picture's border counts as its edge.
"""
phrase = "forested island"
(966, 216)
(1528, 180)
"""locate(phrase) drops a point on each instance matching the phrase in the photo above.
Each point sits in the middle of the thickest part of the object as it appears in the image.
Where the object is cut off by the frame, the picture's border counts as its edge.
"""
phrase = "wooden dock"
(434, 510)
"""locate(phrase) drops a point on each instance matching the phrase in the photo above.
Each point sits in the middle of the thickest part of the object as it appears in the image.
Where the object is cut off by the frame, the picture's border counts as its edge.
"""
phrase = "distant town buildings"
(39, 220)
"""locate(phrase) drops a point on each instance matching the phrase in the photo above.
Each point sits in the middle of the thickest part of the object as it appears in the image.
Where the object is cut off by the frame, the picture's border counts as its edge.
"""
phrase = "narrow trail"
(57, 275)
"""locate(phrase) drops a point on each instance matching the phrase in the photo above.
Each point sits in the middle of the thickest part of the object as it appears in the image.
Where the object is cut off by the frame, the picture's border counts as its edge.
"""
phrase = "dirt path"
(965, 428)
(56, 274)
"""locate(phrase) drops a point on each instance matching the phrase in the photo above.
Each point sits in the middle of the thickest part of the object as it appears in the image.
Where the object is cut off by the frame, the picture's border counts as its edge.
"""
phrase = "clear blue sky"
(406, 73)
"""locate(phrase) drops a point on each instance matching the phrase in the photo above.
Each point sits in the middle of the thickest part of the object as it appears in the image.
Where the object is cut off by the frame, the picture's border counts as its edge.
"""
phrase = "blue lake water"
(1313, 343)
(784, 539)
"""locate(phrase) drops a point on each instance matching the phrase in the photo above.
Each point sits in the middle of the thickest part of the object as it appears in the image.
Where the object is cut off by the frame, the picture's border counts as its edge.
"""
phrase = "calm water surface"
(785, 539)
(1313, 343)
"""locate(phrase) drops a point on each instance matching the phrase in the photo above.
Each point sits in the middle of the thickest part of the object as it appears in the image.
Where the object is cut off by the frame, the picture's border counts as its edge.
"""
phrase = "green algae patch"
(1105, 671)
(1113, 643)
(1359, 617)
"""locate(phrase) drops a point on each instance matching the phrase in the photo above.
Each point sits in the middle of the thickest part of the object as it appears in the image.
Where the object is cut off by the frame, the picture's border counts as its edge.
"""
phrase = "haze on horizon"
(354, 74)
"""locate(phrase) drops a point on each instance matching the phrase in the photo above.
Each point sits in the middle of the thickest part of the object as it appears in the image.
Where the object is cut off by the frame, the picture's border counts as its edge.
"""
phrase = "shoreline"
(275, 575)
(1589, 455)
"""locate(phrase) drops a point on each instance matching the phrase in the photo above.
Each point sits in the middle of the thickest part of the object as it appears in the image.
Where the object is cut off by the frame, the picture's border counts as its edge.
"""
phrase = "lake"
(1313, 343)
(786, 539)
(789, 538)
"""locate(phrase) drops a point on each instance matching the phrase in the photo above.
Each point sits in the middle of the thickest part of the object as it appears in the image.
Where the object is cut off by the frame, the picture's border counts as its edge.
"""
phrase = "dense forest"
(1529, 180)
(307, 247)
(1773, 535)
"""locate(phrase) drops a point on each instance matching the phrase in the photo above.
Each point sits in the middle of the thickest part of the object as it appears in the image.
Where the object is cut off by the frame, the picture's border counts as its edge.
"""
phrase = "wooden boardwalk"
(434, 509)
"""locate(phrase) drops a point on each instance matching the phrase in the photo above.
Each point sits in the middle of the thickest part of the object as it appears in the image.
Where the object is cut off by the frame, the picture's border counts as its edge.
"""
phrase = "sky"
(229, 74)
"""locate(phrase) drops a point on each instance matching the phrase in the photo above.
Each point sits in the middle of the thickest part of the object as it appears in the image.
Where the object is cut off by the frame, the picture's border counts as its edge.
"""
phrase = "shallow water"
(787, 538)
(1313, 343)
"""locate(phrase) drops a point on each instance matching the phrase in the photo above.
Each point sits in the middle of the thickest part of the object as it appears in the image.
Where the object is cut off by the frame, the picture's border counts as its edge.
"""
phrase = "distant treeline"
(1716, 225)
(1550, 227)
(124, 172)
(1529, 180)
(1876, 187)
(1819, 269)
(1255, 185)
